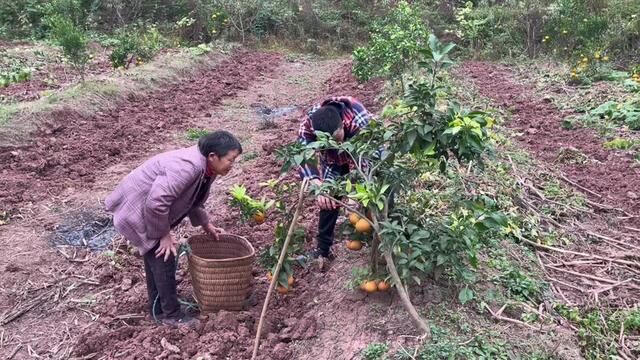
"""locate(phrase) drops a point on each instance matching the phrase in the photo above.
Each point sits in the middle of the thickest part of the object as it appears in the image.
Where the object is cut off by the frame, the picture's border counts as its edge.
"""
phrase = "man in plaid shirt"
(342, 117)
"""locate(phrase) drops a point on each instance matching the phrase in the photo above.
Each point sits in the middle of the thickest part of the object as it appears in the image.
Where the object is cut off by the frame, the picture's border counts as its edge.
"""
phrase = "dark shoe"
(183, 320)
(313, 255)
(157, 318)
(317, 258)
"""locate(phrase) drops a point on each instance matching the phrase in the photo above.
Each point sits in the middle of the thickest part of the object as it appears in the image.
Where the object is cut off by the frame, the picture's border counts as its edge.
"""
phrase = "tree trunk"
(375, 253)
(420, 323)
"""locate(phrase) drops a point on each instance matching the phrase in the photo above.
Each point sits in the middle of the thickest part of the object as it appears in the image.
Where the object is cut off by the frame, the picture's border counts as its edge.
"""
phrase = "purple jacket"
(157, 194)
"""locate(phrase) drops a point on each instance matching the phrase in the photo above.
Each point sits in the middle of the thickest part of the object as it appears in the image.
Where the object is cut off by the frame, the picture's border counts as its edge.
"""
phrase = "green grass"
(619, 144)
(7, 112)
(195, 134)
(376, 351)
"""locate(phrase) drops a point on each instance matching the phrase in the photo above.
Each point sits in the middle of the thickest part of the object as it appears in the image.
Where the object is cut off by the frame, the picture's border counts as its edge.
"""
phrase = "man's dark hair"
(219, 142)
(326, 119)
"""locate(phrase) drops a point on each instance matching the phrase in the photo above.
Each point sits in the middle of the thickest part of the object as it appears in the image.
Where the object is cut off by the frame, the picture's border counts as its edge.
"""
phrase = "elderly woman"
(157, 196)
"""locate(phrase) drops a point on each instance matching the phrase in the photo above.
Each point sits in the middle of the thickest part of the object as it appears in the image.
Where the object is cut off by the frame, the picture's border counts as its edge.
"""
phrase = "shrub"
(72, 40)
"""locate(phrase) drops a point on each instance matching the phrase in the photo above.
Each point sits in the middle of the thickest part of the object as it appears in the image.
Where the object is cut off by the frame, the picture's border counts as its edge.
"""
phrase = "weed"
(598, 331)
(376, 351)
(625, 113)
(249, 156)
(521, 286)
(571, 155)
(446, 346)
(114, 259)
(195, 134)
(7, 112)
(619, 144)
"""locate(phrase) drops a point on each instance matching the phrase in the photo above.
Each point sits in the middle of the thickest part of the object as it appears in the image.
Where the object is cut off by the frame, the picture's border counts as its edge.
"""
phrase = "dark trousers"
(328, 218)
(161, 283)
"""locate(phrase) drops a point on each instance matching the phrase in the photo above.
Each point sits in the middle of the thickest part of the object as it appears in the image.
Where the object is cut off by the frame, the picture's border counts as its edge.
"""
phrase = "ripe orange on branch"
(370, 286)
(383, 286)
(354, 245)
(258, 217)
(363, 226)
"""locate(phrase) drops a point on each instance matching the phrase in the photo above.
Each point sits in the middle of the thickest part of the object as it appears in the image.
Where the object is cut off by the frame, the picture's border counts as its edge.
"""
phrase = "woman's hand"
(213, 231)
(167, 247)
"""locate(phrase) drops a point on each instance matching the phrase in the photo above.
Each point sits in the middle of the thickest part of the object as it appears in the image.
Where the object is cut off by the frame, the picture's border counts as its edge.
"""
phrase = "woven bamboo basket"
(220, 271)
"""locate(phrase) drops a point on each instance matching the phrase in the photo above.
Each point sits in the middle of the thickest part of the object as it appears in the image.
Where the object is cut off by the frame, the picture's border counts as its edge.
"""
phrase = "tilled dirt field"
(72, 151)
(69, 150)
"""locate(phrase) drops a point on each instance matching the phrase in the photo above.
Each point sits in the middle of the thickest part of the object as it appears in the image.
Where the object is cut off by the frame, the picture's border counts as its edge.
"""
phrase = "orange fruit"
(363, 226)
(362, 285)
(370, 286)
(354, 245)
(290, 280)
(354, 218)
(258, 217)
(269, 276)
(383, 286)
(282, 290)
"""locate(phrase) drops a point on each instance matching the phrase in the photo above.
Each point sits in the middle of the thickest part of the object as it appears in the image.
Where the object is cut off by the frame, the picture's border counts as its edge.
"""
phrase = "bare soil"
(615, 176)
(73, 162)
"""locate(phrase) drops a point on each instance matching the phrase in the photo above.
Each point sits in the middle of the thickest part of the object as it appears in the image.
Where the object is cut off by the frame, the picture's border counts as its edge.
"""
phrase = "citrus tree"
(73, 41)
(417, 134)
(257, 211)
(394, 45)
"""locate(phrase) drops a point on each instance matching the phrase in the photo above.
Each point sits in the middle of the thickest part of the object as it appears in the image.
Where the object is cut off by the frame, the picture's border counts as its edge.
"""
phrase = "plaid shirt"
(354, 117)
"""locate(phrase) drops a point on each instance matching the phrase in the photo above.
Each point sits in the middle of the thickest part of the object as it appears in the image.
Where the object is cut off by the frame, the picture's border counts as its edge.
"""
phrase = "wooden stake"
(276, 273)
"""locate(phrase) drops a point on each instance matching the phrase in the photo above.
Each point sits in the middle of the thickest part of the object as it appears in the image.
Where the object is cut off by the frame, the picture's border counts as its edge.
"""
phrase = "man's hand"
(326, 203)
(167, 247)
(323, 201)
(316, 182)
(213, 231)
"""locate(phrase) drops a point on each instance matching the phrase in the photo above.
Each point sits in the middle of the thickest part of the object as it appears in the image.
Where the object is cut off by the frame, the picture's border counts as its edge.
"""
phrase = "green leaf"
(448, 48)
(411, 139)
(452, 130)
(465, 295)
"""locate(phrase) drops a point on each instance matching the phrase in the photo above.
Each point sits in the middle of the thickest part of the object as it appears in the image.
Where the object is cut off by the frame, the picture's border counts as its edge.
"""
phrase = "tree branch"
(352, 209)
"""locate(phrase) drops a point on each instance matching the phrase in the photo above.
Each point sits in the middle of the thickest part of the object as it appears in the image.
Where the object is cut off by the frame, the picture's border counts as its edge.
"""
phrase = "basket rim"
(242, 239)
